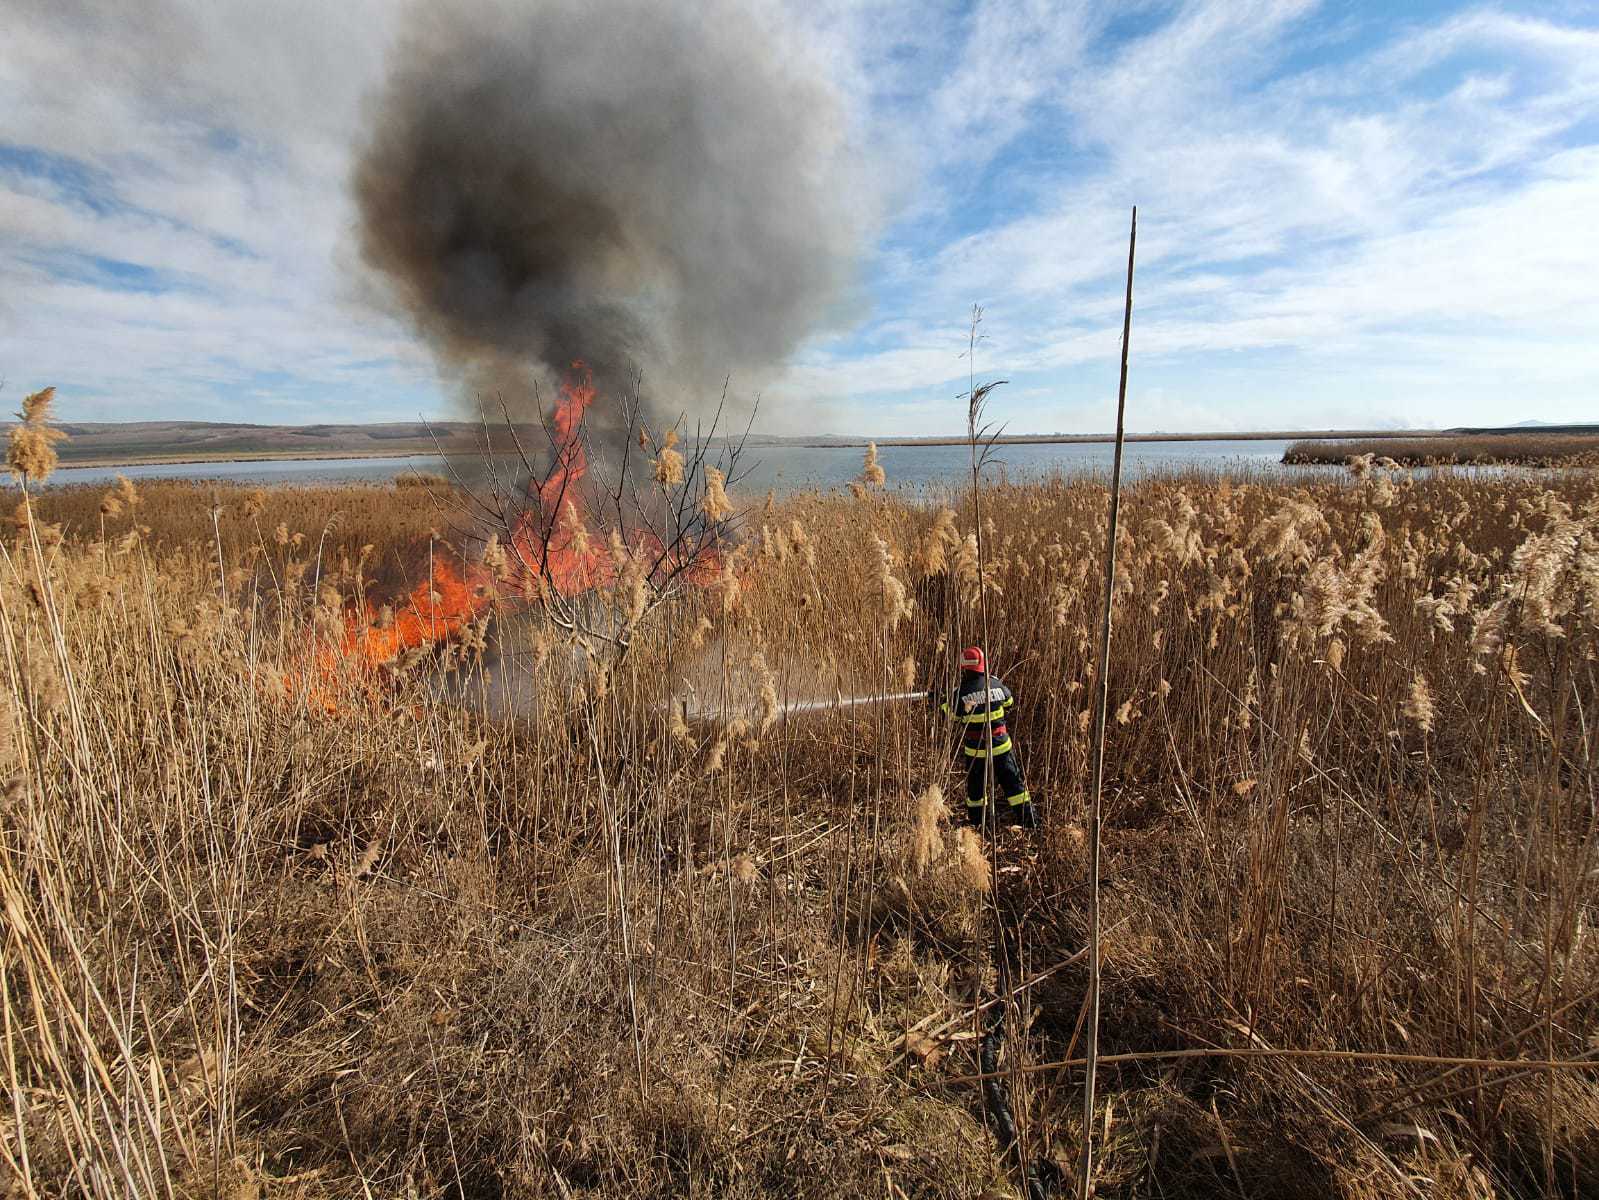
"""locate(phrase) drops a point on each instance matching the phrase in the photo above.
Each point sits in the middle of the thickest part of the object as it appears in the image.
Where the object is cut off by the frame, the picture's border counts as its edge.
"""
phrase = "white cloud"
(1416, 207)
(208, 143)
(1396, 213)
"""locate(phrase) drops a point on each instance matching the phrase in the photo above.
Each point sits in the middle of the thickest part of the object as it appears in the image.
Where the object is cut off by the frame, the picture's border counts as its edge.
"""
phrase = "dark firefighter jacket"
(977, 702)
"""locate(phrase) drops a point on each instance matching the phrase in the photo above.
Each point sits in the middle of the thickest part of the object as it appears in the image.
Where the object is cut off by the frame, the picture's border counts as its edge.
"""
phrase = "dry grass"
(1511, 449)
(178, 514)
(402, 949)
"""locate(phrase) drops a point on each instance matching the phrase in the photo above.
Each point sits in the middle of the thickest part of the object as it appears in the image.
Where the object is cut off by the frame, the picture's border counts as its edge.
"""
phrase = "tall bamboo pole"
(1085, 1173)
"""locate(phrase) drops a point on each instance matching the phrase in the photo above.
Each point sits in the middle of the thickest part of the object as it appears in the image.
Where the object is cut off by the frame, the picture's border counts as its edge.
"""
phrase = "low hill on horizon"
(118, 443)
(132, 442)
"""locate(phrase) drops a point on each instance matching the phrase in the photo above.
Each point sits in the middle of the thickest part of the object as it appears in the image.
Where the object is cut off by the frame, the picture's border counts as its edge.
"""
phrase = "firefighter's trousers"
(1008, 785)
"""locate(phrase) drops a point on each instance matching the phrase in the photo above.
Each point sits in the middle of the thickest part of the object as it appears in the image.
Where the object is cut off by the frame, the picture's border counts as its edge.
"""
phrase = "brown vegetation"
(172, 514)
(1510, 449)
(123, 443)
(403, 949)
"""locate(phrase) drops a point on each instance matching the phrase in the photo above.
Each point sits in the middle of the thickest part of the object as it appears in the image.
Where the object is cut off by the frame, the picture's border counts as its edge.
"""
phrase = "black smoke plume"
(642, 185)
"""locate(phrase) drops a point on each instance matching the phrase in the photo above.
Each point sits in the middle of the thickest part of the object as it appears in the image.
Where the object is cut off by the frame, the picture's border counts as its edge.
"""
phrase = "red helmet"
(972, 659)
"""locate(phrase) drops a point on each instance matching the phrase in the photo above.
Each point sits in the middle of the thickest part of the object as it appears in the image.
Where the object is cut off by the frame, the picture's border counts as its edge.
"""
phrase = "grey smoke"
(643, 185)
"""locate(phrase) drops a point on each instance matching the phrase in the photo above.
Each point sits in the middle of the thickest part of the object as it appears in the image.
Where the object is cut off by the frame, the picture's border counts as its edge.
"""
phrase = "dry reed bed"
(178, 513)
(256, 949)
(1511, 449)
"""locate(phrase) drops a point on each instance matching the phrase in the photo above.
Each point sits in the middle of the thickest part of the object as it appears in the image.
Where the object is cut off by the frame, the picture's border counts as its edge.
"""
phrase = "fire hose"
(1043, 1176)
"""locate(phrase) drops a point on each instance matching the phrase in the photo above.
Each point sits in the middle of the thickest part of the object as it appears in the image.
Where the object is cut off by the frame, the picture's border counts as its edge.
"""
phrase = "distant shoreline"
(756, 442)
(1077, 439)
(180, 443)
(195, 459)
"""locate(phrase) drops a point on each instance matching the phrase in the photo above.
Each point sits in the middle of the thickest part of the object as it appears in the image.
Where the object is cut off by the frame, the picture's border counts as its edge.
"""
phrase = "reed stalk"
(1085, 1169)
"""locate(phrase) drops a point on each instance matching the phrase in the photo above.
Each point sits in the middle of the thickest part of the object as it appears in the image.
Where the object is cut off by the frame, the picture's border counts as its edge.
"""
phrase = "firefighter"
(980, 705)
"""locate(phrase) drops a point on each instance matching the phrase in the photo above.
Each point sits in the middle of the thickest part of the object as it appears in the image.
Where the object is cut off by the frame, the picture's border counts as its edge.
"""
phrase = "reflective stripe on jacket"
(979, 703)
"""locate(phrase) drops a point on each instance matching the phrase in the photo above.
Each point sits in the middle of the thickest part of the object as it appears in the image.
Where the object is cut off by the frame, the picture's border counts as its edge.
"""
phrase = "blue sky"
(1351, 214)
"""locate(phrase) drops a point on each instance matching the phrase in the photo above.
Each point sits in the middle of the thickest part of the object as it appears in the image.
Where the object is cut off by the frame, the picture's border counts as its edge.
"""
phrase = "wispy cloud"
(173, 212)
(1364, 195)
(1346, 214)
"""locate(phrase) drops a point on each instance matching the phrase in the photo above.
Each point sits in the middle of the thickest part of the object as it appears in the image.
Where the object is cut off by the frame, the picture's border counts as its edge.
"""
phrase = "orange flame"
(552, 550)
(437, 608)
(571, 462)
(553, 545)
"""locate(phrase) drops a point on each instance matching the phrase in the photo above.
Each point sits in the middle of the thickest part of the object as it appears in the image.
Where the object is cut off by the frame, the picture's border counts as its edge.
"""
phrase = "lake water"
(783, 468)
